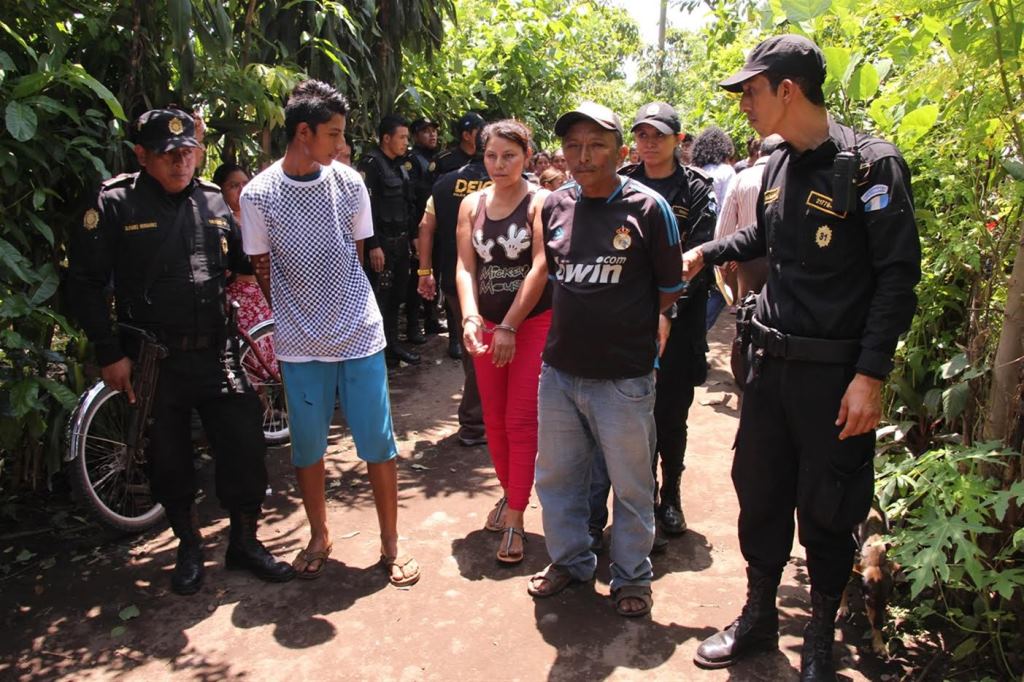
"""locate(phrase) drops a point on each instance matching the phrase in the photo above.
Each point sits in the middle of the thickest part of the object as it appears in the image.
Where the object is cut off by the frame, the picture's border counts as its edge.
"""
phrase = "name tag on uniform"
(136, 227)
(771, 195)
(219, 222)
(823, 203)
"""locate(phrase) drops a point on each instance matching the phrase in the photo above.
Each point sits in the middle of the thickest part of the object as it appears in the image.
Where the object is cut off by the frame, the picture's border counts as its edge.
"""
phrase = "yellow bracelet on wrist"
(425, 272)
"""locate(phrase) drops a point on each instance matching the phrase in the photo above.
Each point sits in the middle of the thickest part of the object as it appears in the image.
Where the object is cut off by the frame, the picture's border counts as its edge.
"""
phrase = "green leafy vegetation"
(944, 81)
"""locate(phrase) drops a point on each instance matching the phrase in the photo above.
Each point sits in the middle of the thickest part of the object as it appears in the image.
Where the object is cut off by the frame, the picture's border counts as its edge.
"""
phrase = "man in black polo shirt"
(613, 252)
(836, 220)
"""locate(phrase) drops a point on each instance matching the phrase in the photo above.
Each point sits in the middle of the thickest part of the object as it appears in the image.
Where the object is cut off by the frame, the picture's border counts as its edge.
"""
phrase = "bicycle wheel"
(260, 366)
(108, 481)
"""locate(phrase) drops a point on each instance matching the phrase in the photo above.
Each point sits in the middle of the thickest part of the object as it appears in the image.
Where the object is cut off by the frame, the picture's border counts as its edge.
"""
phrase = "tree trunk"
(1004, 395)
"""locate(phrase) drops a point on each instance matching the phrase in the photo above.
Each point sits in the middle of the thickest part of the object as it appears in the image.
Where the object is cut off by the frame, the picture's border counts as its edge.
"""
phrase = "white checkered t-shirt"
(323, 306)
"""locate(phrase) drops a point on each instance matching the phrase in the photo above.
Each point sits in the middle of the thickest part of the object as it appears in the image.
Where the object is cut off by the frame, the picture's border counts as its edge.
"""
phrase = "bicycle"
(107, 445)
(256, 356)
(106, 435)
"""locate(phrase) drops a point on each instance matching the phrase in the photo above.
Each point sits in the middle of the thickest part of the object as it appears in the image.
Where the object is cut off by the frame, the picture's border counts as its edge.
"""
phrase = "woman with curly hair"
(712, 151)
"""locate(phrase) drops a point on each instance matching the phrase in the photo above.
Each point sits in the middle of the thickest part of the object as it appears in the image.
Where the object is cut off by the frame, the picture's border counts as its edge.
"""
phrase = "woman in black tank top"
(501, 276)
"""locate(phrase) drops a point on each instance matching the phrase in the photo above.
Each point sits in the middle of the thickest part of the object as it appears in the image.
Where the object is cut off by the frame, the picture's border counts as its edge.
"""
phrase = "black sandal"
(505, 554)
(496, 526)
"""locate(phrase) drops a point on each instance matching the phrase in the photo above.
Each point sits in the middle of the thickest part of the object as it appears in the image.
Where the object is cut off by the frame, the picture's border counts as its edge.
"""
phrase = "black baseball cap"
(788, 55)
(589, 111)
(421, 123)
(469, 121)
(161, 130)
(660, 115)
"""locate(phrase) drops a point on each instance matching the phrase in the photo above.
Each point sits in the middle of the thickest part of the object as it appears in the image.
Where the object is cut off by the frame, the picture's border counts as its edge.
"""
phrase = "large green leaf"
(17, 263)
(918, 122)
(802, 10)
(863, 83)
(954, 400)
(47, 288)
(78, 74)
(837, 60)
(64, 395)
(21, 121)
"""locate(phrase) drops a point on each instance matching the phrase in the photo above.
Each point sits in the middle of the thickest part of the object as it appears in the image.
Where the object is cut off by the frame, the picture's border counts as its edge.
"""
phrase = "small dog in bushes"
(873, 572)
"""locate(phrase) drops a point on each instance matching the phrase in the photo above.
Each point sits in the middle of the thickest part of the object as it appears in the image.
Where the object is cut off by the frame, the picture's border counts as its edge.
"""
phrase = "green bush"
(954, 531)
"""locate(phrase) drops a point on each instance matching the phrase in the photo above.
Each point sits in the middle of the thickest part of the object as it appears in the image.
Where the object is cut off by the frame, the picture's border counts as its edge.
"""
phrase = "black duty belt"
(790, 347)
(186, 342)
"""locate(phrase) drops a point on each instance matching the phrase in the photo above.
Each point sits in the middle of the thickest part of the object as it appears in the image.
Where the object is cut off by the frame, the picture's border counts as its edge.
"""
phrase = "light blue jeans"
(580, 419)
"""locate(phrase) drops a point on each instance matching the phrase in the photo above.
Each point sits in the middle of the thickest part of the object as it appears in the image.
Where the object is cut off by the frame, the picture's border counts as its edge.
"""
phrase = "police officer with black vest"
(386, 173)
(467, 133)
(167, 241)
(422, 174)
(437, 270)
(835, 219)
(683, 364)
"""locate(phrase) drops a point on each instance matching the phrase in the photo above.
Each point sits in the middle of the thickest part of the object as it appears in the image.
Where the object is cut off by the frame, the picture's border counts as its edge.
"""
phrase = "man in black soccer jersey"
(596, 395)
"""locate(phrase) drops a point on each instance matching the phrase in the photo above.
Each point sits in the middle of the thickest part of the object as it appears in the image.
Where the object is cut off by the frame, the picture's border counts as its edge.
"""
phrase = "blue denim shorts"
(361, 385)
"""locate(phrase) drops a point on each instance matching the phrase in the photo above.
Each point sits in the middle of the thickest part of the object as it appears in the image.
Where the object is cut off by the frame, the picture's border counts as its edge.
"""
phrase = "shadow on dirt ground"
(78, 603)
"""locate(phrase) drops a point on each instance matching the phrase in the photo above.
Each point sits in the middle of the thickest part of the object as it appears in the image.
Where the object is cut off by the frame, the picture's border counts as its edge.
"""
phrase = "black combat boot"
(757, 628)
(187, 577)
(670, 511)
(432, 323)
(816, 663)
(413, 331)
(246, 552)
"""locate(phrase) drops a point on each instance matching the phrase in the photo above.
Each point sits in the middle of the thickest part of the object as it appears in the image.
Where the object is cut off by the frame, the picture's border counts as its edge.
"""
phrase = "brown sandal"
(550, 581)
(306, 558)
(495, 522)
(407, 578)
(505, 554)
(640, 593)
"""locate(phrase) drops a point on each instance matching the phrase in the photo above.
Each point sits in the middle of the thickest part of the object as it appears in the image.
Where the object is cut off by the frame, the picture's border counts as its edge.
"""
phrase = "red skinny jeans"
(509, 398)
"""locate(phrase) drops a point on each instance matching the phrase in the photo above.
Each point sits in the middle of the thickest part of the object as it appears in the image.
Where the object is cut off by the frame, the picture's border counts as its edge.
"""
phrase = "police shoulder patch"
(91, 219)
(407, 165)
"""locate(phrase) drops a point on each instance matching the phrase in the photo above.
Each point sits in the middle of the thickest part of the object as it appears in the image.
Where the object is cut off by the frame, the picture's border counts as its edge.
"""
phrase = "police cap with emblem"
(589, 111)
(660, 115)
(161, 130)
(785, 55)
(421, 123)
(469, 121)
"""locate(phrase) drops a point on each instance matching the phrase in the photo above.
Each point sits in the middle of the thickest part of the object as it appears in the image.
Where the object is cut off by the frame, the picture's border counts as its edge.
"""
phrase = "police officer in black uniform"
(385, 170)
(437, 269)
(683, 364)
(835, 219)
(167, 241)
(467, 138)
(422, 174)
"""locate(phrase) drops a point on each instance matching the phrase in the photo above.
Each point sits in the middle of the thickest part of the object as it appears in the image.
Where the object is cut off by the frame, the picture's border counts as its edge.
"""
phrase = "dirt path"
(468, 619)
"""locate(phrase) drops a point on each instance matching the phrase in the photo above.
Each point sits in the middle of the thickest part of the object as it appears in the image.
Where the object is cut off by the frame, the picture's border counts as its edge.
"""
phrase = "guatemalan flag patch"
(876, 198)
